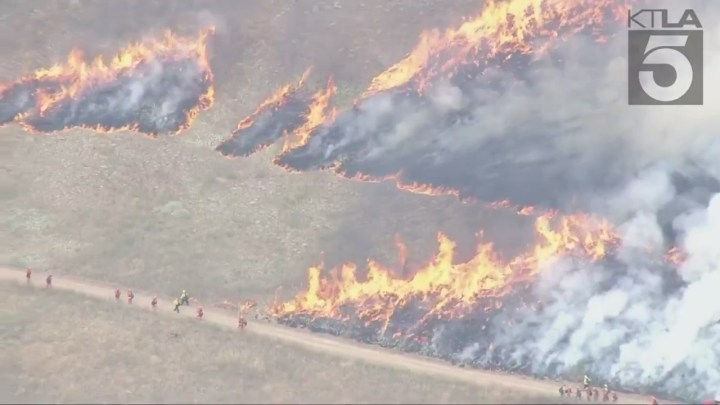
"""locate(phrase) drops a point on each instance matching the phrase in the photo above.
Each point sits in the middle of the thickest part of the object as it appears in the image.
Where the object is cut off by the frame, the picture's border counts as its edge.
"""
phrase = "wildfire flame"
(86, 75)
(502, 28)
(75, 77)
(429, 190)
(319, 113)
(276, 100)
(676, 256)
(442, 287)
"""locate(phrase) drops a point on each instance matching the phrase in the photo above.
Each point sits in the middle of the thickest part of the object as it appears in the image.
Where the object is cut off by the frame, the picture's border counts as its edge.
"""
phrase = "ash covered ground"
(150, 89)
(154, 98)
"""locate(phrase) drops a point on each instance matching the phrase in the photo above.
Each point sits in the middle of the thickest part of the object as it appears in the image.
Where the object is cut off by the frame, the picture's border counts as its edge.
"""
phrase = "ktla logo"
(665, 59)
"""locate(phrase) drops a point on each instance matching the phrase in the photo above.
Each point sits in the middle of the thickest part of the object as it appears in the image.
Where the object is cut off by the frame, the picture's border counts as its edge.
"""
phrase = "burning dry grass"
(60, 347)
(171, 213)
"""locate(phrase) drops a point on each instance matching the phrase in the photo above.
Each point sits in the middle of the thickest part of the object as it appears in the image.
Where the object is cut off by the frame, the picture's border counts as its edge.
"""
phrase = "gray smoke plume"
(268, 127)
(632, 320)
(521, 130)
(559, 132)
(153, 98)
(20, 98)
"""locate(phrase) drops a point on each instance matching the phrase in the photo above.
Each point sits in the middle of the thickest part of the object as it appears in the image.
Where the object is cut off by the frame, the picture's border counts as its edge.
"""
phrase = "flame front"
(319, 113)
(279, 114)
(502, 29)
(275, 101)
(87, 75)
(111, 85)
(444, 288)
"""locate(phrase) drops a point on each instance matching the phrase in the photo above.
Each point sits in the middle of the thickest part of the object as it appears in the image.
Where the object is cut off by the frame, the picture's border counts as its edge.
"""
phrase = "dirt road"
(308, 340)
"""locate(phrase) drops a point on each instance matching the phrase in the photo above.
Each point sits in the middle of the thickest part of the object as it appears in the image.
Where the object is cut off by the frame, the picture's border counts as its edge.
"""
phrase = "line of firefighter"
(183, 300)
(591, 393)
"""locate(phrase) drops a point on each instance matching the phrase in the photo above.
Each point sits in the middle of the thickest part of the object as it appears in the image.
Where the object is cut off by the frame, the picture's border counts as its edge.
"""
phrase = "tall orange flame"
(443, 287)
(86, 75)
(70, 79)
(502, 29)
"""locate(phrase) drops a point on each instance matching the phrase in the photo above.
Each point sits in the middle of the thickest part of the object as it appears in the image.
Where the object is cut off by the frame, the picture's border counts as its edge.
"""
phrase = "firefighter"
(117, 294)
(184, 299)
(606, 393)
(199, 313)
(153, 303)
(130, 296)
(48, 281)
(176, 305)
(28, 274)
(242, 323)
(586, 382)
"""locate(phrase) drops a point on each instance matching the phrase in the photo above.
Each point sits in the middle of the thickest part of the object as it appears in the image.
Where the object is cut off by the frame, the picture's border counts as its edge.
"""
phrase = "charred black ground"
(21, 98)
(431, 137)
(486, 337)
(153, 98)
(267, 128)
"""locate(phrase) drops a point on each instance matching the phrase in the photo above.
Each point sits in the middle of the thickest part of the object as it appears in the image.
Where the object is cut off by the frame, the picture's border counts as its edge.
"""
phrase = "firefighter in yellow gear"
(184, 298)
(586, 382)
(176, 306)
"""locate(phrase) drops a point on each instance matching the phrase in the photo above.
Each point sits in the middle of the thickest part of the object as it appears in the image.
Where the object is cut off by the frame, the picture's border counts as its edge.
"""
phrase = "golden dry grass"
(61, 347)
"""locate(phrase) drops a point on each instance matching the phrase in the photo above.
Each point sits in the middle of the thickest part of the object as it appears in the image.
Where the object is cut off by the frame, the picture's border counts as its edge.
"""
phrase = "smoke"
(631, 320)
(519, 131)
(151, 87)
(153, 98)
(268, 127)
(20, 98)
(558, 131)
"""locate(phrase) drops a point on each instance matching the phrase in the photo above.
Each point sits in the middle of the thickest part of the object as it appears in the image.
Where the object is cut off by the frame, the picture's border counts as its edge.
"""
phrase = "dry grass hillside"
(171, 213)
(60, 347)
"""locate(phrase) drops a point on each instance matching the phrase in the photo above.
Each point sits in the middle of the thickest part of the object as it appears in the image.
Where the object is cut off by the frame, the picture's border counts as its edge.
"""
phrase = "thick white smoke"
(561, 131)
(633, 320)
(154, 96)
(525, 134)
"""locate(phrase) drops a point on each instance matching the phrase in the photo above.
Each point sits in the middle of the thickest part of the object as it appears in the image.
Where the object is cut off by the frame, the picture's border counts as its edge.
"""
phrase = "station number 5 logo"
(662, 50)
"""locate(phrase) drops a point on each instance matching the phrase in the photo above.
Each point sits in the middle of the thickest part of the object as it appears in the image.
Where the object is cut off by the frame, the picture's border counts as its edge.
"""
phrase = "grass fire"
(396, 128)
(157, 86)
(484, 112)
(444, 288)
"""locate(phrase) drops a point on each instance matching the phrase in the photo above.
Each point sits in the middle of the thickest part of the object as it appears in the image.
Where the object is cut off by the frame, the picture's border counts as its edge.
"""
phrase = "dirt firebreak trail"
(302, 338)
